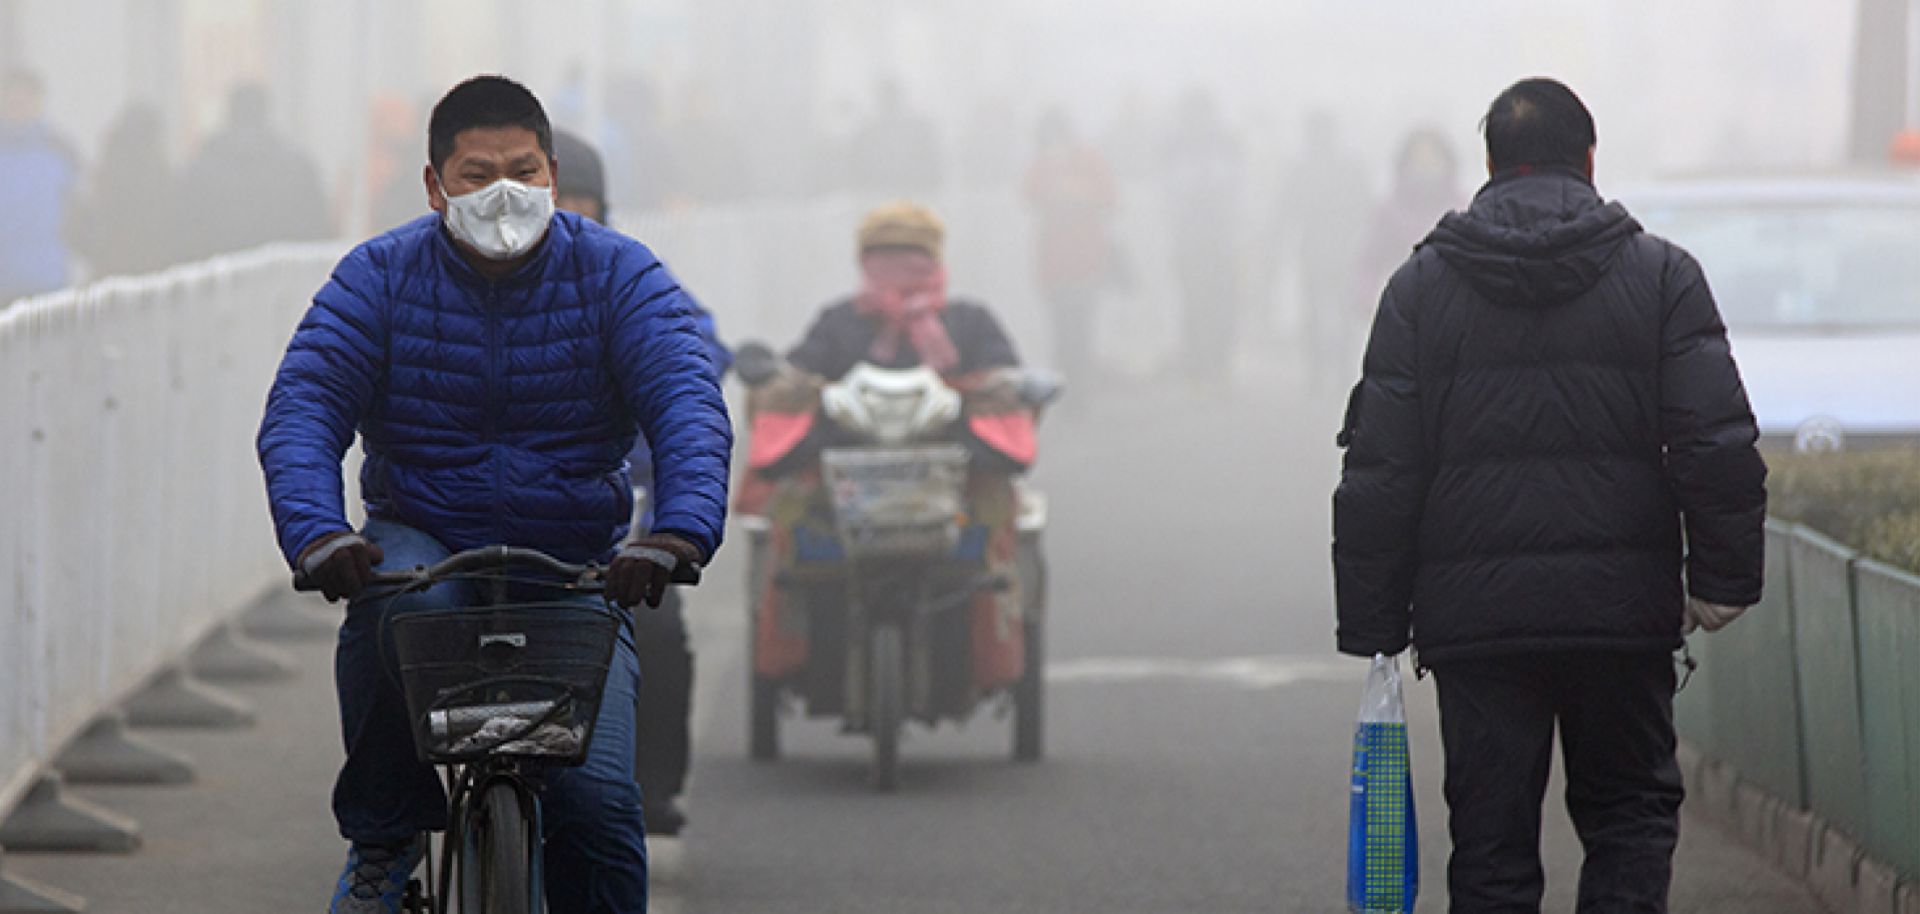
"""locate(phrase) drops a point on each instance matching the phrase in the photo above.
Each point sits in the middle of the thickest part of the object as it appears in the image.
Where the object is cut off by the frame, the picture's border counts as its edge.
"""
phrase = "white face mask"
(503, 220)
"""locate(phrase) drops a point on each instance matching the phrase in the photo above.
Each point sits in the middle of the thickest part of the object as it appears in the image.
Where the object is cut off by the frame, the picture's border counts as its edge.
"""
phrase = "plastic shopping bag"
(1383, 848)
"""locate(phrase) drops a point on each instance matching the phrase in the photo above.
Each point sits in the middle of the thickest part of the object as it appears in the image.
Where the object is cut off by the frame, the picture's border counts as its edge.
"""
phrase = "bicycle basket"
(521, 680)
(890, 501)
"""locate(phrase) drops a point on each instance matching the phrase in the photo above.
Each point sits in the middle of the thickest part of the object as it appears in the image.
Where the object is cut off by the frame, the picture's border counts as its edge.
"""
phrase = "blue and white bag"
(1383, 847)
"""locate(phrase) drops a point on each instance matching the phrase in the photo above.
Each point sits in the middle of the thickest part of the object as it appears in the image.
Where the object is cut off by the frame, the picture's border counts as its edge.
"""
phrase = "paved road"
(1199, 737)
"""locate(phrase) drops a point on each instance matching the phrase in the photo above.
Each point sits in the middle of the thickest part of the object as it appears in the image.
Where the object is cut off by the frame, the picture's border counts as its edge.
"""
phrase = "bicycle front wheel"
(496, 854)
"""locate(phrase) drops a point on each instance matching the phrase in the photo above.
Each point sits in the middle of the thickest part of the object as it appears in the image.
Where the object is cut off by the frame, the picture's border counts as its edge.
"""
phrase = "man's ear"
(1590, 150)
(436, 200)
(1489, 164)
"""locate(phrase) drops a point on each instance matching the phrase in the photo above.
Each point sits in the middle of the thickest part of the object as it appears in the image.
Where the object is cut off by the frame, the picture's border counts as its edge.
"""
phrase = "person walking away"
(663, 739)
(126, 221)
(1550, 474)
(1319, 221)
(1424, 183)
(245, 163)
(1073, 196)
(1205, 183)
(38, 173)
(497, 360)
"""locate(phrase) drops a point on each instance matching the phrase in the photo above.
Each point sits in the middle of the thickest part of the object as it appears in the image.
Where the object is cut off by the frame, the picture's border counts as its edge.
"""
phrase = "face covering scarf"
(503, 220)
(907, 293)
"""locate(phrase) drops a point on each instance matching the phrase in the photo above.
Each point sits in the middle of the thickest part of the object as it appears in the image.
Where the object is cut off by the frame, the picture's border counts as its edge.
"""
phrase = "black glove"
(340, 564)
(644, 568)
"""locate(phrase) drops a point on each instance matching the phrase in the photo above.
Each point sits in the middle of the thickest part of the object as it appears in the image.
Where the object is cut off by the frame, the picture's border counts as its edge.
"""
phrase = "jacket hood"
(1535, 238)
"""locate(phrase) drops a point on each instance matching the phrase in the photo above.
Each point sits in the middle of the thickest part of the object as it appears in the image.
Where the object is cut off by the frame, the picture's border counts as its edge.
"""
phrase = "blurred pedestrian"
(393, 184)
(896, 152)
(647, 173)
(663, 738)
(38, 174)
(1425, 184)
(1551, 476)
(1319, 220)
(710, 152)
(1206, 183)
(127, 220)
(248, 185)
(1073, 197)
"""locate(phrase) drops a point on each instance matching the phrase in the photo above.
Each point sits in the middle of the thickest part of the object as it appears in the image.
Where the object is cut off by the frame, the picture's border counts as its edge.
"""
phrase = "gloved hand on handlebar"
(340, 564)
(644, 568)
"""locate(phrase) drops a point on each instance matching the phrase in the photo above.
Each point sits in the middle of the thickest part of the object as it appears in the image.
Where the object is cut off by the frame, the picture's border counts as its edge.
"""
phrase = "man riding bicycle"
(497, 361)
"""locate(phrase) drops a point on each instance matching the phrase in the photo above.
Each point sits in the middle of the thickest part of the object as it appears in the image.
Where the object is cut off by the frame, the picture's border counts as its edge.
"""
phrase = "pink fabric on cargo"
(1012, 434)
(775, 435)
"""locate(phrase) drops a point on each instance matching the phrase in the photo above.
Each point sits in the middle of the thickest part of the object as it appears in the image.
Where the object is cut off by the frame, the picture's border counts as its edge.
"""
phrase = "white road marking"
(1253, 673)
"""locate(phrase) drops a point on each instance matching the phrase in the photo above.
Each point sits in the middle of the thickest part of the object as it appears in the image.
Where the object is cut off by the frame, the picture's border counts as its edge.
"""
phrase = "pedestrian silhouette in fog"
(1319, 219)
(1073, 196)
(1205, 181)
(38, 171)
(248, 185)
(1425, 184)
(127, 220)
(896, 152)
(663, 739)
(1550, 476)
(393, 182)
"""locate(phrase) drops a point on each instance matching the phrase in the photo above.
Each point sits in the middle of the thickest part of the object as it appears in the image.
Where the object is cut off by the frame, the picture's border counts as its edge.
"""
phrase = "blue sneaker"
(376, 877)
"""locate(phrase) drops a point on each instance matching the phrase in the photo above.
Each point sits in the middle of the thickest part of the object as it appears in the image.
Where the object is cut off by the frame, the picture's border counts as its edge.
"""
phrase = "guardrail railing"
(134, 520)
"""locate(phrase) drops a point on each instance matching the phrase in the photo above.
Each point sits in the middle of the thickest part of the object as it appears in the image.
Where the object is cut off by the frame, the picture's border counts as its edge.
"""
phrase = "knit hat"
(903, 224)
(580, 171)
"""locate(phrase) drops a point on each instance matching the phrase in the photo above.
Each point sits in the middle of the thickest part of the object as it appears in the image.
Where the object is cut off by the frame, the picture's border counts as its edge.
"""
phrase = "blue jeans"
(596, 858)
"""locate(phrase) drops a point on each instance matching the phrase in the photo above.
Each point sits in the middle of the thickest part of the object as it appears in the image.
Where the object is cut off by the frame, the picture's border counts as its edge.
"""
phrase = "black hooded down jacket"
(1548, 400)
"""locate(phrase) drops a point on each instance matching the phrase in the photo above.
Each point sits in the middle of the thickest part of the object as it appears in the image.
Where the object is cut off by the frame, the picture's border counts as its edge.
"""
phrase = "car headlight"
(1819, 435)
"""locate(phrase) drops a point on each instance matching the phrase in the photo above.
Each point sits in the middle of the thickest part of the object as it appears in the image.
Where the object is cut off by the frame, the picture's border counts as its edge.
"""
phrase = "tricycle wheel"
(1029, 696)
(886, 702)
(763, 738)
(1029, 693)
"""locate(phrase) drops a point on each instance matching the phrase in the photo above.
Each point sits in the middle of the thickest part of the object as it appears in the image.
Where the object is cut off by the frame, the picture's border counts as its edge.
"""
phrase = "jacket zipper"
(490, 425)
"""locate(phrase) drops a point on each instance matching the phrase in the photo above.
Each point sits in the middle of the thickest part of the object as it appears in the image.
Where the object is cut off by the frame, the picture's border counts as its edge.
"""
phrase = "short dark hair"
(1538, 122)
(484, 101)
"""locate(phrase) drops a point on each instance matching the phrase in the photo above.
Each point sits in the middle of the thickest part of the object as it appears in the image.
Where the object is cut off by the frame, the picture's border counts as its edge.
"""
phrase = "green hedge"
(1869, 500)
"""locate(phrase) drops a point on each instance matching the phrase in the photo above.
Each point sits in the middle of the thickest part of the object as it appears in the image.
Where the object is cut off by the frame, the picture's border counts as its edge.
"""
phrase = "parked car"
(1819, 281)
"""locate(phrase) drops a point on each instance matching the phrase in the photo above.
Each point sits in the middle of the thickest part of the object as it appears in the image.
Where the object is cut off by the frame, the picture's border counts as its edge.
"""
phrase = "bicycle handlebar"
(485, 558)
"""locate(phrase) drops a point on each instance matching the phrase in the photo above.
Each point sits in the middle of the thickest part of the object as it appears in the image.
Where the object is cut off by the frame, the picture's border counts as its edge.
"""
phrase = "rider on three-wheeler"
(899, 331)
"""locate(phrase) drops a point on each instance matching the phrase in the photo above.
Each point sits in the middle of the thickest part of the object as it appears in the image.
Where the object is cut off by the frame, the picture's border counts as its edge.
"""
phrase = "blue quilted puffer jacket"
(498, 413)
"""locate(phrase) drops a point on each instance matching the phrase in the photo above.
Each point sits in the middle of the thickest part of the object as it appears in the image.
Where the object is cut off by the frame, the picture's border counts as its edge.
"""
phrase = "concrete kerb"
(1717, 790)
(175, 699)
(227, 655)
(1829, 860)
(1756, 814)
(1835, 869)
(1906, 899)
(107, 753)
(284, 617)
(48, 820)
(19, 896)
(1793, 835)
(1874, 886)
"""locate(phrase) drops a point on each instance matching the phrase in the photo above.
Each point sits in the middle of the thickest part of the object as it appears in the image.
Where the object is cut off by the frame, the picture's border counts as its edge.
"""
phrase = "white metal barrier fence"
(134, 516)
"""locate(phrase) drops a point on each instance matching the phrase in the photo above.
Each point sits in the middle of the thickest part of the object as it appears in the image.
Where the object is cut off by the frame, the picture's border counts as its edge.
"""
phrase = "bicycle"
(496, 692)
